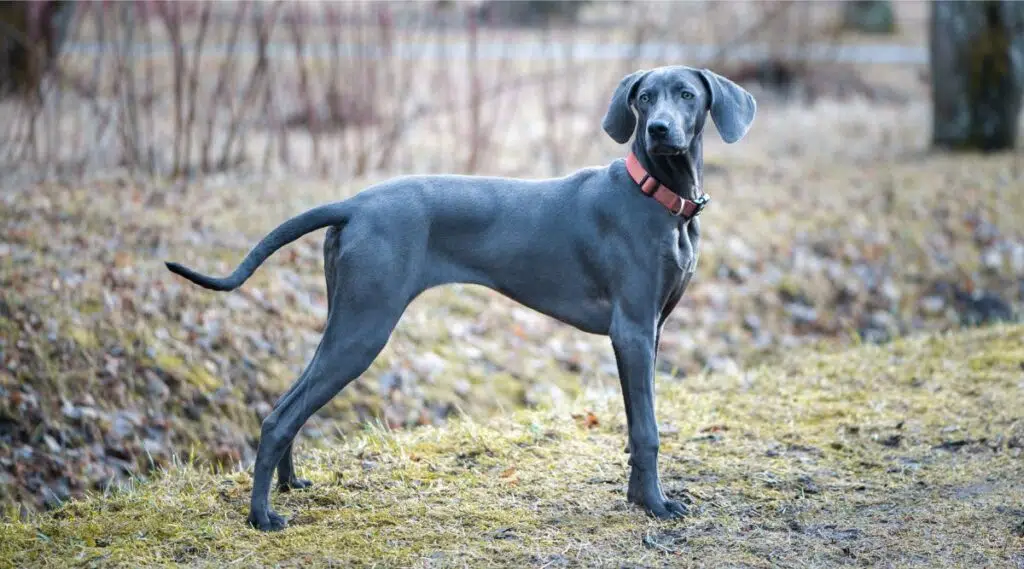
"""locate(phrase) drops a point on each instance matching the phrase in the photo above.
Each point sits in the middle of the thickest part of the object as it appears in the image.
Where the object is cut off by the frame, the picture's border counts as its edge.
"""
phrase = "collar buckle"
(697, 206)
(701, 202)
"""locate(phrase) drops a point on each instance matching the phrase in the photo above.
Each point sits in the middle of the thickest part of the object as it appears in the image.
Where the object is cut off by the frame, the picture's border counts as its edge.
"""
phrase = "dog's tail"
(309, 221)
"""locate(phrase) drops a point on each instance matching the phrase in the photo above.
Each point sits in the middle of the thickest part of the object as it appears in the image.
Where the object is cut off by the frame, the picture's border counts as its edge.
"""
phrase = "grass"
(834, 207)
(907, 455)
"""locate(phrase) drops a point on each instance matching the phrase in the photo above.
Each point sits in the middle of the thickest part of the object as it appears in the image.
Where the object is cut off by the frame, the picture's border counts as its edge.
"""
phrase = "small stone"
(388, 382)
(740, 274)
(933, 305)
(1017, 257)
(313, 432)
(124, 425)
(55, 494)
(237, 303)
(262, 409)
(890, 291)
(70, 411)
(891, 441)
(428, 365)
(992, 259)
(740, 249)
(505, 533)
(802, 313)
(873, 335)
(883, 320)
(807, 485)
(51, 444)
(470, 352)
(222, 396)
(985, 232)
(156, 387)
(718, 298)
(752, 322)
(154, 448)
(724, 365)
(211, 366)
(609, 368)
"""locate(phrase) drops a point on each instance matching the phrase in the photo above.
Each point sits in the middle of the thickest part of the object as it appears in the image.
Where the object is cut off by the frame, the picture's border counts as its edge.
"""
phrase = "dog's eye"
(644, 97)
(687, 95)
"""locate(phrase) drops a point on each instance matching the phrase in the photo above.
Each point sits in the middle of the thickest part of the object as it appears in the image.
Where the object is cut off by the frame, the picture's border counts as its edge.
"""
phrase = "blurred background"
(878, 194)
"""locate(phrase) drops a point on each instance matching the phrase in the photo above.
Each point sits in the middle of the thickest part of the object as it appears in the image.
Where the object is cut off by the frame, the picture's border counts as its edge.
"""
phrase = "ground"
(830, 225)
(904, 455)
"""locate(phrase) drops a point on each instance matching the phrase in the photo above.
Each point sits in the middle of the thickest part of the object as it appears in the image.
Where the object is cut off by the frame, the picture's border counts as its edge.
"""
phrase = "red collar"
(672, 201)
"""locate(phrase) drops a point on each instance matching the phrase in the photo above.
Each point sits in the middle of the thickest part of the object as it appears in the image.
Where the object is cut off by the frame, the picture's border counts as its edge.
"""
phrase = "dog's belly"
(591, 315)
(555, 289)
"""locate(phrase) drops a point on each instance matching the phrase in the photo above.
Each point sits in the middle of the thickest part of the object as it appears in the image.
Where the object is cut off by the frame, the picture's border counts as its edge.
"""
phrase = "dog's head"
(672, 104)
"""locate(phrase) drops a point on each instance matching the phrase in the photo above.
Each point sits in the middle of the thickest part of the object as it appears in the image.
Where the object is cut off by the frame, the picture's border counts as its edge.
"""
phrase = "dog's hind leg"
(286, 477)
(287, 480)
(365, 306)
(338, 361)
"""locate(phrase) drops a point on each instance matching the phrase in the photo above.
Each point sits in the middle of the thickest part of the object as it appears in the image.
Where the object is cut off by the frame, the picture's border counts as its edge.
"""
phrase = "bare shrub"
(187, 89)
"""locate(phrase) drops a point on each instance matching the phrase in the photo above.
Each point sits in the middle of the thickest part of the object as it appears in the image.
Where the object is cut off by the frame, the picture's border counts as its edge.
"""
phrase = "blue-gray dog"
(608, 250)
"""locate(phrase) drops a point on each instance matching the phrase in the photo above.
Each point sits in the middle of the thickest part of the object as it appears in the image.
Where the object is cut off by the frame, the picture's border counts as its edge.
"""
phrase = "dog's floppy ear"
(732, 107)
(619, 121)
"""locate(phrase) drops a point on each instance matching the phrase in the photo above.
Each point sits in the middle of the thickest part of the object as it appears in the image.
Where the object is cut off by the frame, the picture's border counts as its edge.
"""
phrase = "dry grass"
(901, 456)
(833, 207)
(208, 109)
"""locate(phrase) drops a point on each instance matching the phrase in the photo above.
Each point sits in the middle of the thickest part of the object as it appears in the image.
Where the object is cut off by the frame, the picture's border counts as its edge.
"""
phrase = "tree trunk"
(977, 63)
(31, 37)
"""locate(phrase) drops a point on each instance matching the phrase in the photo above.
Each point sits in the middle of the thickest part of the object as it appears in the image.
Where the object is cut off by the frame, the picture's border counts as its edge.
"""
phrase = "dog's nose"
(657, 128)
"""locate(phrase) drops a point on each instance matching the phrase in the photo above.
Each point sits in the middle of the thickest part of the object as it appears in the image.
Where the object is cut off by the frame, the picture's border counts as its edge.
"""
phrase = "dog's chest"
(683, 247)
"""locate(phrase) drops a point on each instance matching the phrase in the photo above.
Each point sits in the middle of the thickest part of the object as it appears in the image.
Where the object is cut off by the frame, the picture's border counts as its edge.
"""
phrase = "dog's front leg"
(634, 345)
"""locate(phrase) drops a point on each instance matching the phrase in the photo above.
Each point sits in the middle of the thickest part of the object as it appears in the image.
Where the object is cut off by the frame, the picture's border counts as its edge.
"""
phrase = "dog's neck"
(681, 173)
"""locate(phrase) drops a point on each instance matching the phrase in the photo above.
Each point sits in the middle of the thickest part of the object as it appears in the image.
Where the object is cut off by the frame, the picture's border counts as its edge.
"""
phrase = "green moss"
(195, 374)
(1009, 357)
(874, 456)
(83, 337)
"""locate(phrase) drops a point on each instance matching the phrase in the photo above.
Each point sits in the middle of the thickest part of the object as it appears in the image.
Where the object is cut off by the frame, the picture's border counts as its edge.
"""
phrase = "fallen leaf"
(122, 259)
(588, 421)
(715, 429)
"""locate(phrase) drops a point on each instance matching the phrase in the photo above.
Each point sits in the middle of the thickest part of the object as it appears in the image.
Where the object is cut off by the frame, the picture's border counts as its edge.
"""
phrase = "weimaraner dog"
(608, 250)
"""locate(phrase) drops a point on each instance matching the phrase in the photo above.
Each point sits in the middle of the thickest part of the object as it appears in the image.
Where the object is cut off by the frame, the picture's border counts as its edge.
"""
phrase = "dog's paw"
(271, 522)
(655, 503)
(667, 510)
(294, 484)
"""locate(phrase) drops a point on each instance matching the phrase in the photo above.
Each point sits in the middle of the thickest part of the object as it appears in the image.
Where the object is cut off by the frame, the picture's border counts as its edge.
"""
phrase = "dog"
(608, 250)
